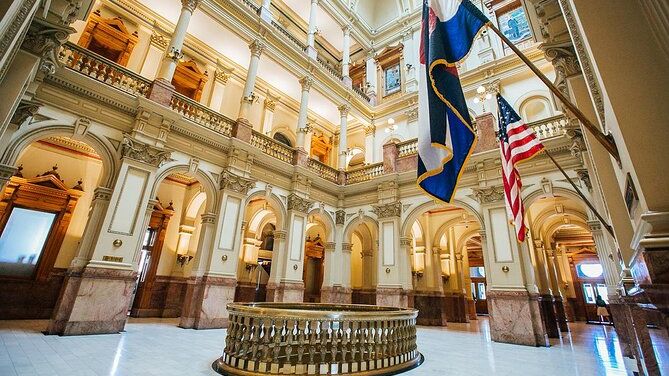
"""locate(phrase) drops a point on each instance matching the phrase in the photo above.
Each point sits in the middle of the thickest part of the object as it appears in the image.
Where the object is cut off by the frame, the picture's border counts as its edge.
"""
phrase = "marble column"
(335, 281)
(264, 11)
(558, 297)
(370, 77)
(301, 130)
(256, 47)
(346, 56)
(311, 33)
(410, 63)
(161, 90)
(370, 133)
(545, 293)
(343, 125)
(103, 274)
(392, 263)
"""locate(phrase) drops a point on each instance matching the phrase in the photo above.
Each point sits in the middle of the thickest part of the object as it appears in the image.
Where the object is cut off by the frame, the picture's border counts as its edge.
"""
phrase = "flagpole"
(578, 191)
(606, 140)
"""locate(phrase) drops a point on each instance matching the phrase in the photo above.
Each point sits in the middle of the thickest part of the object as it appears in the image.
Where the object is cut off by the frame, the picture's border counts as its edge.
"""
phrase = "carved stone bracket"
(340, 217)
(236, 183)
(405, 241)
(298, 203)
(279, 234)
(585, 177)
(393, 209)
(25, 110)
(142, 152)
(44, 39)
(564, 60)
(488, 195)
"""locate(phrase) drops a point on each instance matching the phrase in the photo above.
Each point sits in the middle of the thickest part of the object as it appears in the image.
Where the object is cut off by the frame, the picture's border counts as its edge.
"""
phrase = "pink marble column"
(515, 318)
(287, 292)
(205, 302)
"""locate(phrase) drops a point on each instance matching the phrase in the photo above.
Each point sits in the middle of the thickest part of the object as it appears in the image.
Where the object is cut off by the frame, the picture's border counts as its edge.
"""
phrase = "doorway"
(479, 285)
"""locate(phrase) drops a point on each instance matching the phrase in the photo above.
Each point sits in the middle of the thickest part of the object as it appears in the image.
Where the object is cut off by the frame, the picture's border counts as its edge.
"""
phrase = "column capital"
(189, 5)
(306, 83)
(393, 209)
(369, 129)
(346, 29)
(143, 152)
(346, 247)
(235, 183)
(257, 47)
(344, 109)
(298, 203)
(595, 226)
(208, 218)
(279, 234)
(315, 2)
(222, 76)
(405, 241)
(270, 104)
(340, 217)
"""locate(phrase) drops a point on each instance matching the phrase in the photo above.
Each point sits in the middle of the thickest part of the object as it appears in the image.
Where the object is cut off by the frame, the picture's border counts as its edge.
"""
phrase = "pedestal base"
(161, 92)
(335, 295)
(471, 309)
(432, 308)
(242, 130)
(286, 292)
(548, 316)
(363, 296)
(456, 307)
(93, 301)
(515, 318)
(205, 302)
(391, 297)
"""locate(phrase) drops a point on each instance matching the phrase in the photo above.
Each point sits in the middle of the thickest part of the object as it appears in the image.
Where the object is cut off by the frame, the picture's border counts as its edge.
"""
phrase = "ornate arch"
(536, 194)
(371, 223)
(328, 223)
(202, 176)
(445, 226)
(429, 205)
(30, 133)
(274, 201)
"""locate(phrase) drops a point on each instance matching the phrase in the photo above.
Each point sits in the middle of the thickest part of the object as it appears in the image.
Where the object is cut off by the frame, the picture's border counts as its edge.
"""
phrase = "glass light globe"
(480, 89)
(476, 100)
(488, 96)
(391, 121)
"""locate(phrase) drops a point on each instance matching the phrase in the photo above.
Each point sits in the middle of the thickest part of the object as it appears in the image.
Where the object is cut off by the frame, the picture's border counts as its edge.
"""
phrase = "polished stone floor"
(158, 347)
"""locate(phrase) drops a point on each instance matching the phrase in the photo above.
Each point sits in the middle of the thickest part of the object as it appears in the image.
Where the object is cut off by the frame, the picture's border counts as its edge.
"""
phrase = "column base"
(336, 295)
(205, 304)
(456, 307)
(245, 292)
(391, 297)
(548, 315)
(286, 292)
(161, 92)
(347, 81)
(312, 53)
(560, 313)
(301, 157)
(93, 301)
(471, 310)
(515, 317)
(432, 308)
(363, 296)
(242, 130)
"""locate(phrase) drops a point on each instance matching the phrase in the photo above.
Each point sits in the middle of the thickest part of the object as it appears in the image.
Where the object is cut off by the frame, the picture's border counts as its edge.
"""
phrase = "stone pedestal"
(471, 310)
(391, 297)
(336, 295)
(515, 317)
(242, 130)
(174, 297)
(245, 292)
(93, 301)
(287, 292)
(548, 315)
(560, 313)
(161, 92)
(363, 296)
(205, 302)
(456, 307)
(432, 308)
(301, 157)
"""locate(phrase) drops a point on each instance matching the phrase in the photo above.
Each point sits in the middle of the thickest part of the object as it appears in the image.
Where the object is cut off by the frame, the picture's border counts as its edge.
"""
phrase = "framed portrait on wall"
(392, 79)
(513, 23)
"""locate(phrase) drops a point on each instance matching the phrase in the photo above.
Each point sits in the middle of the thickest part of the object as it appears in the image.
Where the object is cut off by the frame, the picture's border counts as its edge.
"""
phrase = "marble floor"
(158, 347)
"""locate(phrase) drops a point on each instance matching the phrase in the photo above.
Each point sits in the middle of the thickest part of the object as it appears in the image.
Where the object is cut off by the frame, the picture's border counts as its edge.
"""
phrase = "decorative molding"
(370, 130)
(340, 217)
(208, 218)
(564, 60)
(489, 194)
(279, 234)
(142, 152)
(102, 194)
(270, 104)
(12, 33)
(44, 40)
(298, 203)
(236, 183)
(405, 241)
(159, 40)
(222, 76)
(393, 209)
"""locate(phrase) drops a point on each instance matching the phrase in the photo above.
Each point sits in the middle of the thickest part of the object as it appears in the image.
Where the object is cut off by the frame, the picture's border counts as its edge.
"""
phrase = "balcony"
(398, 157)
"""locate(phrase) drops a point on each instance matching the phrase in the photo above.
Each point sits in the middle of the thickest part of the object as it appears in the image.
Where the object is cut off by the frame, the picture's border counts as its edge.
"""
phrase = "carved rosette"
(298, 203)
(44, 40)
(142, 152)
(489, 195)
(393, 209)
(340, 217)
(236, 183)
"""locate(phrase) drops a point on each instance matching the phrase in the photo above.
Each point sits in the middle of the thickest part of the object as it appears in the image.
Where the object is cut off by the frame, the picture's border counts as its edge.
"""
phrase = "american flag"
(517, 143)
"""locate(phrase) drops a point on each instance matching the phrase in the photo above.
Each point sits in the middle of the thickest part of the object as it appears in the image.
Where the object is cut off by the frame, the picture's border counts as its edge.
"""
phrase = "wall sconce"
(253, 98)
(483, 94)
(251, 257)
(183, 259)
(391, 126)
(418, 263)
(175, 55)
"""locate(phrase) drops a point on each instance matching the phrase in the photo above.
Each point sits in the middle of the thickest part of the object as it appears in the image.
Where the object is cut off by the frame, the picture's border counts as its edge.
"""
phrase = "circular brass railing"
(318, 339)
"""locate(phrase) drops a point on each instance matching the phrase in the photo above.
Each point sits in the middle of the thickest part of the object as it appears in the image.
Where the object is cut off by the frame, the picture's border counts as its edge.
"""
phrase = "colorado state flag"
(446, 137)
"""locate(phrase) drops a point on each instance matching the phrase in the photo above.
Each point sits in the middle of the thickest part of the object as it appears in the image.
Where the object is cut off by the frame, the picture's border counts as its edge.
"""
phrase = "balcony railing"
(365, 173)
(102, 69)
(290, 36)
(332, 70)
(323, 170)
(201, 115)
(361, 93)
(406, 148)
(272, 147)
(550, 127)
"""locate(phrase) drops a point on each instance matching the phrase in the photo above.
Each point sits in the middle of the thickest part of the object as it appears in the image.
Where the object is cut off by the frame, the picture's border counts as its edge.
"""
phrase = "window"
(481, 291)
(392, 79)
(603, 292)
(22, 241)
(282, 139)
(514, 25)
(477, 271)
(590, 270)
(589, 293)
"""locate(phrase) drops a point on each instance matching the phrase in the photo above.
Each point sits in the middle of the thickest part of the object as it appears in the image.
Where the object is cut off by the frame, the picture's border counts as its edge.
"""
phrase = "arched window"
(282, 139)
(535, 108)
(355, 158)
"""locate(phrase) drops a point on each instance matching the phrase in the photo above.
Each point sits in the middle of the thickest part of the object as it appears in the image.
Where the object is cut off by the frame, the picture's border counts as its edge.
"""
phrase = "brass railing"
(365, 173)
(201, 115)
(323, 170)
(102, 69)
(406, 148)
(272, 147)
(318, 339)
(550, 127)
